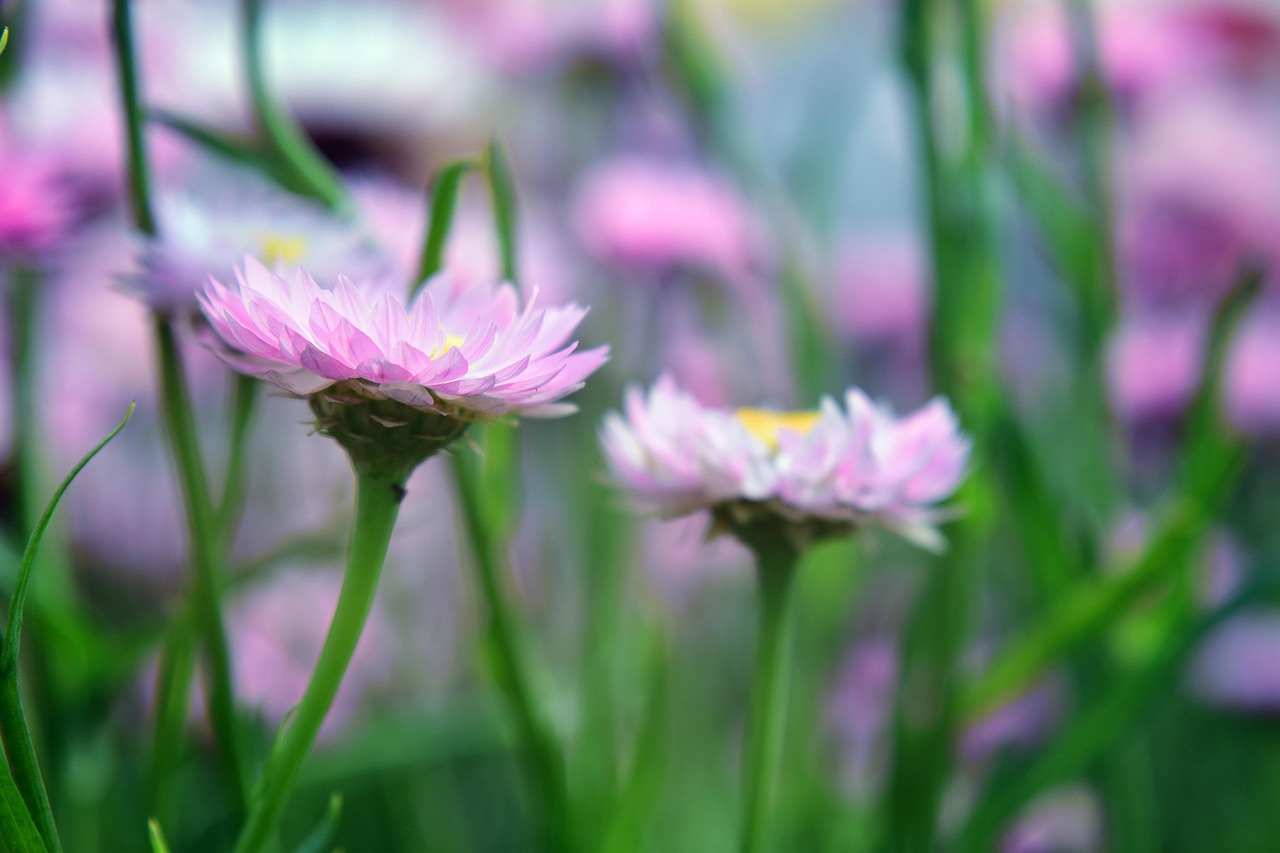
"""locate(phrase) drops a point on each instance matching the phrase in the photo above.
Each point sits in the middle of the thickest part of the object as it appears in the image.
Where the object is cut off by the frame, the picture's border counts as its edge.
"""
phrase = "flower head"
(209, 227)
(818, 472)
(383, 374)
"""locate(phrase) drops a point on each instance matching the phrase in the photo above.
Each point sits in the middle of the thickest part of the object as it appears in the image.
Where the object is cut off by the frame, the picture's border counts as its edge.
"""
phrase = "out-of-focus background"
(1036, 208)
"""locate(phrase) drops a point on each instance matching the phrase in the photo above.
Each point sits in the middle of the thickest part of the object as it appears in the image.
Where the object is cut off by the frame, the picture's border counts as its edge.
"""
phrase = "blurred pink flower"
(207, 228)
(1253, 374)
(1143, 47)
(36, 208)
(468, 351)
(861, 709)
(1153, 364)
(1198, 191)
(1238, 665)
(278, 630)
(882, 289)
(655, 216)
(862, 464)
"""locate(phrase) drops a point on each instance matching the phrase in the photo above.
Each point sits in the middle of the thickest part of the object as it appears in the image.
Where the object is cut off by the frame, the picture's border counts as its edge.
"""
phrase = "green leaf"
(4, 40)
(18, 832)
(156, 835)
(234, 148)
(13, 628)
(321, 838)
(1126, 701)
(445, 187)
(503, 198)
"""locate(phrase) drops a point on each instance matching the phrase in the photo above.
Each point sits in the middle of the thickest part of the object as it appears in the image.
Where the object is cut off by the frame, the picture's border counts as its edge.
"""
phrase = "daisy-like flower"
(208, 227)
(817, 473)
(393, 382)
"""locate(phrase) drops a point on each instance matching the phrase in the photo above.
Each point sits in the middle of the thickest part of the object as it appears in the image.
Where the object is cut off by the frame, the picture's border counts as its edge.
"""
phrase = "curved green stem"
(775, 565)
(377, 503)
(231, 506)
(545, 759)
(310, 172)
(205, 542)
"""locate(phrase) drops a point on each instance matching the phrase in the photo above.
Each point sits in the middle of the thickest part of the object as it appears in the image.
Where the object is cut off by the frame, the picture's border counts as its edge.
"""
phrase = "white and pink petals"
(477, 351)
(856, 465)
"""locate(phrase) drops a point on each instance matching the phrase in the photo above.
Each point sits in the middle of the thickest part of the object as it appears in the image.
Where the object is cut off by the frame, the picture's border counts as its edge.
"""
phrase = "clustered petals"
(468, 352)
(850, 465)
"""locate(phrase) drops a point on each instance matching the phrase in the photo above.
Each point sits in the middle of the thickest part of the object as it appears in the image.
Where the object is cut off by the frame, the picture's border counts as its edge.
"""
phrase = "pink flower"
(471, 353)
(651, 215)
(36, 209)
(1253, 374)
(1238, 666)
(882, 294)
(1154, 364)
(843, 467)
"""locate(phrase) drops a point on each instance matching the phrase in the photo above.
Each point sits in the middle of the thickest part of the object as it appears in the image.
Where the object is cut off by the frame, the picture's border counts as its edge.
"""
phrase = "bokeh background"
(1036, 208)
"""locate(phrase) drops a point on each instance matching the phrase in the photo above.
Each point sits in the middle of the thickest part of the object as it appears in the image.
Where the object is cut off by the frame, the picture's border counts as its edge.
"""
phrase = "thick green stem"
(206, 554)
(776, 566)
(545, 759)
(377, 503)
(127, 69)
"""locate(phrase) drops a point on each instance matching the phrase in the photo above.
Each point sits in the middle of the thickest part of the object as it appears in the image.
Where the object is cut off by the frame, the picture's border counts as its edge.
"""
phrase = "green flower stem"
(127, 69)
(244, 404)
(207, 556)
(546, 761)
(377, 503)
(776, 568)
(309, 171)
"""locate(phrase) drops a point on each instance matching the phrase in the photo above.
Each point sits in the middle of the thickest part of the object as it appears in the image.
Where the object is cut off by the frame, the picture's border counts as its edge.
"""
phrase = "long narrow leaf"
(4, 40)
(18, 832)
(320, 840)
(154, 833)
(503, 197)
(445, 188)
(13, 627)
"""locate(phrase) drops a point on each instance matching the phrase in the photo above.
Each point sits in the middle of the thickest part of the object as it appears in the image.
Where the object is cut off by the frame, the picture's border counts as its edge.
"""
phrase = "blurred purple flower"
(1238, 665)
(655, 216)
(1153, 364)
(207, 229)
(858, 465)
(860, 711)
(1020, 723)
(1067, 820)
(470, 352)
(1198, 192)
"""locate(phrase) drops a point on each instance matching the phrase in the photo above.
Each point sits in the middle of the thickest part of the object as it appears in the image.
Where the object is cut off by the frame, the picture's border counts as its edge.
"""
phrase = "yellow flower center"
(283, 249)
(765, 424)
(450, 342)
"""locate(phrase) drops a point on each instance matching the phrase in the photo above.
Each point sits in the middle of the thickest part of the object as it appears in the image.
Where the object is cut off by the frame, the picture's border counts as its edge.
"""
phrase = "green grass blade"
(503, 197)
(445, 188)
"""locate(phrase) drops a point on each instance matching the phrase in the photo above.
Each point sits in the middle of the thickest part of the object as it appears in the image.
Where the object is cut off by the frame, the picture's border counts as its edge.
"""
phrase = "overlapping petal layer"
(468, 351)
(857, 464)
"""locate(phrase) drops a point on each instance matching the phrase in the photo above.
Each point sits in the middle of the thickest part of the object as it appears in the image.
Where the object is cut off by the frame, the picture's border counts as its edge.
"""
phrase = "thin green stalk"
(311, 173)
(127, 69)
(244, 404)
(174, 674)
(545, 758)
(776, 569)
(207, 557)
(377, 504)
